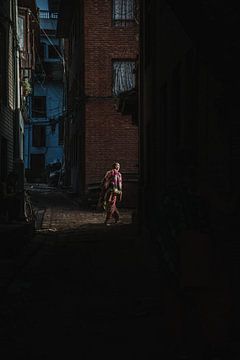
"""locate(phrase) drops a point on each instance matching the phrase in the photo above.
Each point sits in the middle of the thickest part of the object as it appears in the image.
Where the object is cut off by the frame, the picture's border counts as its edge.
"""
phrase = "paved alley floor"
(84, 291)
(81, 290)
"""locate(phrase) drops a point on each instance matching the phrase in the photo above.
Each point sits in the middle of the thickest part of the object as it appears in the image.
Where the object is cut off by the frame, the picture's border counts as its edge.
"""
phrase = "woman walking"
(111, 193)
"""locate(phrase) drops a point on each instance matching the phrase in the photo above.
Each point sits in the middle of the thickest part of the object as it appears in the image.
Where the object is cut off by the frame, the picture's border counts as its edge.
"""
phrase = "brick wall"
(104, 42)
(110, 136)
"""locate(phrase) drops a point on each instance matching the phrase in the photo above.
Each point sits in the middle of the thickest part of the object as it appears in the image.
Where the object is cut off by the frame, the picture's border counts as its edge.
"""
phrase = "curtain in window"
(123, 76)
(123, 9)
(21, 32)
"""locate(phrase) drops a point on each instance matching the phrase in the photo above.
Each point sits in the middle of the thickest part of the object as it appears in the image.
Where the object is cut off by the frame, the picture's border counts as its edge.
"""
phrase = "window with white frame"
(123, 11)
(124, 77)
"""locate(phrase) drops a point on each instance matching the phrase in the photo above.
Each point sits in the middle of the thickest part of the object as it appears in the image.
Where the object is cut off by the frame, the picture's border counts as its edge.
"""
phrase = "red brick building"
(103, 36)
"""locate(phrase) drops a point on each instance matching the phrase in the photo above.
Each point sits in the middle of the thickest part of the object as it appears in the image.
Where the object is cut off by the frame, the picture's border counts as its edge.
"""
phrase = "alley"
(139, 99)
(85, 291)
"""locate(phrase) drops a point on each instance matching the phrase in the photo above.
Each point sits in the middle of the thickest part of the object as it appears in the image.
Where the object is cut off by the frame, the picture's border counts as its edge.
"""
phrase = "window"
(123, 11)
(3, 67)
(123, 76)
(53, 51)
(38, 135)
(39, 106)
(21, 32)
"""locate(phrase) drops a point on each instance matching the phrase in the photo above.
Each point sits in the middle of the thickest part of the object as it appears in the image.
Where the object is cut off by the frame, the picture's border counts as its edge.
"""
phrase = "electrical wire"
(59, 112)
(50, 41)
(42, 68)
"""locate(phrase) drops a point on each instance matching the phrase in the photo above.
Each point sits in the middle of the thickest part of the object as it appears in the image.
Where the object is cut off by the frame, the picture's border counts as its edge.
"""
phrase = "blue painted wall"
(53, 90)
(42, 4)
(52, 150)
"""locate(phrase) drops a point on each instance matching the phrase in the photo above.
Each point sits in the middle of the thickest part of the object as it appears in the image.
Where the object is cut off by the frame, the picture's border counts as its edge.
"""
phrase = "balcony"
(45, 14)
(48, 20)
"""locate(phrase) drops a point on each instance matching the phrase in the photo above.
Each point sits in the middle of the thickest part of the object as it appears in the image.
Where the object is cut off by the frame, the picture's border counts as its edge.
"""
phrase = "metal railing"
(45, 14)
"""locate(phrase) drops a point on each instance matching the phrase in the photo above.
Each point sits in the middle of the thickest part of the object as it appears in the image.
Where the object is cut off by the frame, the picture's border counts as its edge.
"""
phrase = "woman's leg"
(116, 214)
(111, 210)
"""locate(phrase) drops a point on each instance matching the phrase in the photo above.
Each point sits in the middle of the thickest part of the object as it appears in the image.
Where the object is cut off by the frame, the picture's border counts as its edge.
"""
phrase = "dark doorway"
(37, 166)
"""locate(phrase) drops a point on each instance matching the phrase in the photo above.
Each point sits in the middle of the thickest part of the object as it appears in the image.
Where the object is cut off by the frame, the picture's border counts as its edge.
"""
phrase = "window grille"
(123, 76)
(123, 12)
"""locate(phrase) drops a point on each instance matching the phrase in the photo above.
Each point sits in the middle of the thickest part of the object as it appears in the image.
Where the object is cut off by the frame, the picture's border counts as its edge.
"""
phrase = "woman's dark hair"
(114, 165)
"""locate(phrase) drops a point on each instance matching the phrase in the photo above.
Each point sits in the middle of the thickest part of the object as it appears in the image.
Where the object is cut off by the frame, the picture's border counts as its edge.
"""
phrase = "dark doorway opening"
(37, 167)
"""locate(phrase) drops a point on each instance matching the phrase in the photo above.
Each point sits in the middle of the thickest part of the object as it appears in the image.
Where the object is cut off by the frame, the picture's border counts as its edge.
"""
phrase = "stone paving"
(69, 219)
(82, 292)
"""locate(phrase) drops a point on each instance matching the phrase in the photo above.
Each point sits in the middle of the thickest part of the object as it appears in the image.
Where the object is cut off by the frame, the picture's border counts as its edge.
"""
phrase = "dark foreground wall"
(189, 148)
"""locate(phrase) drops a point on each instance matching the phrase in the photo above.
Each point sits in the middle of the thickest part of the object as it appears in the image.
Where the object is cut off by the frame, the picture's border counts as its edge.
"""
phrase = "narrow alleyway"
(81, 289)
(85, 291)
